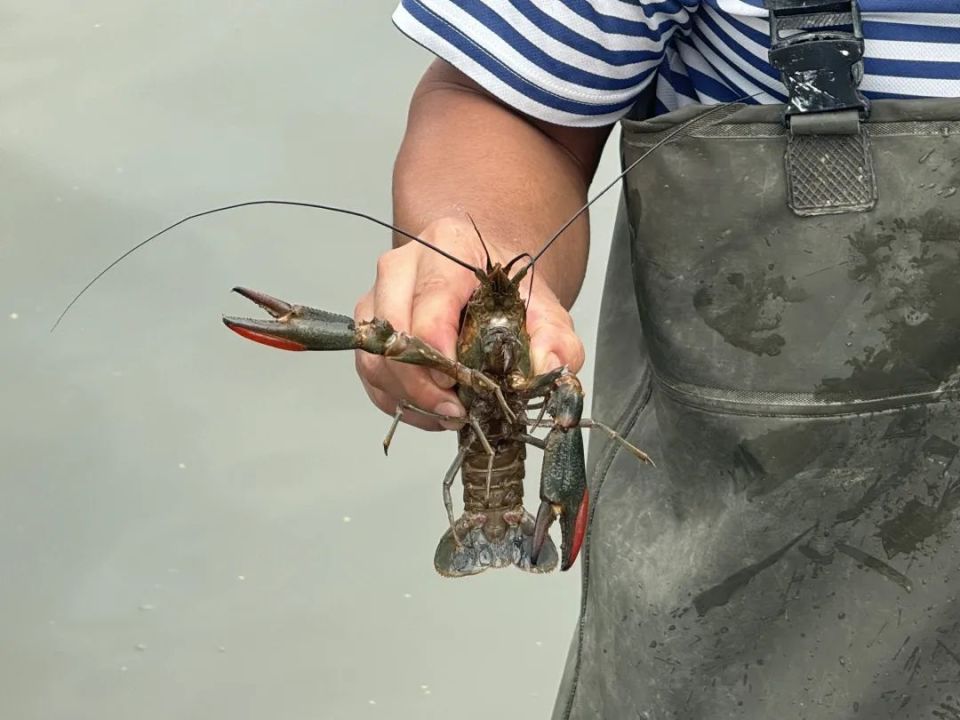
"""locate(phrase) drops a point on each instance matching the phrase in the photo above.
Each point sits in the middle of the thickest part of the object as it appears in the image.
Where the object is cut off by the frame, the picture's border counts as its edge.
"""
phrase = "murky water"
(192, 526)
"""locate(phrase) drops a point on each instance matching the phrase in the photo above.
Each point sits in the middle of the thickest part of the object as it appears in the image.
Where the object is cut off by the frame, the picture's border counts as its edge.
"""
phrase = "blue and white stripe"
(584, 62)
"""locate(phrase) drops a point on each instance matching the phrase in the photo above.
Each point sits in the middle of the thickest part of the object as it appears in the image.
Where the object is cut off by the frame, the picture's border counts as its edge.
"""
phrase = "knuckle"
(428, 287)
(361, 311)
(457, 235)
(386, 264)
(447, 226)
(447, 231)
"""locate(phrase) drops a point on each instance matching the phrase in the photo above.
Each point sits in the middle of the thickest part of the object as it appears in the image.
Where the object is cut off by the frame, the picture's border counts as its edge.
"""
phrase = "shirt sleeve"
(570, 62)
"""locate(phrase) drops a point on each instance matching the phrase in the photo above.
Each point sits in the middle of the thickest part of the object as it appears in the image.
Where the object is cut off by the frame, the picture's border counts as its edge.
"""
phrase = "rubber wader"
(780, 330)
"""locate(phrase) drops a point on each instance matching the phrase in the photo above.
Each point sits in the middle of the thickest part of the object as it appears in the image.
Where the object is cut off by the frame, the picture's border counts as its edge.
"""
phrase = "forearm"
(519, 179)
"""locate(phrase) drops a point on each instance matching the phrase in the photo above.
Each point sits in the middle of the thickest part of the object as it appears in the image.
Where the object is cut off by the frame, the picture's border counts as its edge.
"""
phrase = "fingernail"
(444, 381)
(449, 408)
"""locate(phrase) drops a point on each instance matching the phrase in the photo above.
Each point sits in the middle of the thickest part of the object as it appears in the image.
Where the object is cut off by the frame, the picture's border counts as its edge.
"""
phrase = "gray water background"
(192, 526)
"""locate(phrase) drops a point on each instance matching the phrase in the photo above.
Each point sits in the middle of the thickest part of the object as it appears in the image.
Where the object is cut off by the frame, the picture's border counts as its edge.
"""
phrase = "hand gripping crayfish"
(496, 385)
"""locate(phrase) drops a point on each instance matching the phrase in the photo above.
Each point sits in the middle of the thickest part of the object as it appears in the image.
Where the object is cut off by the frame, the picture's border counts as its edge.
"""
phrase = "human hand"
(421, 292)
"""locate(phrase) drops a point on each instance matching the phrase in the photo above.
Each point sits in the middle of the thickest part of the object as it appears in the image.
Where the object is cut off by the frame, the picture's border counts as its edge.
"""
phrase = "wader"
(780, 330)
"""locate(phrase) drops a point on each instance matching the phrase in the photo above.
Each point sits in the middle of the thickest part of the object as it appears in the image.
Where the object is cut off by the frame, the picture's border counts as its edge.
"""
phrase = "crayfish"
(496, 386)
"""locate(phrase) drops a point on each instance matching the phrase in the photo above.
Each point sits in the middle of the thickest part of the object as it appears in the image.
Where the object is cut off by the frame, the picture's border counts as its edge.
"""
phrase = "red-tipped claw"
(573, 528)
(295, 327)
(563, 495)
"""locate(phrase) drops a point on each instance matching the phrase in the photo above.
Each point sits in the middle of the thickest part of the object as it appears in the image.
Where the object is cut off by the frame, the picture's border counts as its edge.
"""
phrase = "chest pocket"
(745, 302)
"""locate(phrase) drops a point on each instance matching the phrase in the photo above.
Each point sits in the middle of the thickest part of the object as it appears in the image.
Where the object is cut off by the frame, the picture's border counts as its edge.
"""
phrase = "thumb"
(552, 347)
(553, 342)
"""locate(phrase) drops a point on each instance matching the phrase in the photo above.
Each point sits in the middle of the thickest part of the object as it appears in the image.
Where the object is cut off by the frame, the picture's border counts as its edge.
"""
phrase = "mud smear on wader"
(747, 309)
(908, 427)
(906, 530)
(721, 593)
(917, 521)
(768, 466)
(907, 268)
(864, 559)
(770, 462)
(764, 463)
(877, 565)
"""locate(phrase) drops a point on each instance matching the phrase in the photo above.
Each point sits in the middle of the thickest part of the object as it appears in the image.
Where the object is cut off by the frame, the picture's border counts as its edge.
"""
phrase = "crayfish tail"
(475, 552)
(546, 561)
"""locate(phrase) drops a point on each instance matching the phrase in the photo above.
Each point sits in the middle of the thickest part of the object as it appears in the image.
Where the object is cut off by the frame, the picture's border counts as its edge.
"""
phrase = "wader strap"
(817, 45)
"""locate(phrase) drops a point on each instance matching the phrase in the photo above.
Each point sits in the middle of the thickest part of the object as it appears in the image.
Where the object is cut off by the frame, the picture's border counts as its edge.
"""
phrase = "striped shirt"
(584, 62)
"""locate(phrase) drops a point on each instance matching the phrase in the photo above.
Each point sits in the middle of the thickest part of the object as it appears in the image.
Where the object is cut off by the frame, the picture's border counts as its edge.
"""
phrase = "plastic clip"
(817, 45)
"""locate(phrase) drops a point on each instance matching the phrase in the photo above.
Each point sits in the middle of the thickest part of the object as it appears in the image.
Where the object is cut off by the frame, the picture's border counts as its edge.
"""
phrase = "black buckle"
(817, 45)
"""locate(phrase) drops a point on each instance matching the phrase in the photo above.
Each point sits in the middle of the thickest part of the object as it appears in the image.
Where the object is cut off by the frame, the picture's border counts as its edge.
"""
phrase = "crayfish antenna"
(252, 203)
(482, 243)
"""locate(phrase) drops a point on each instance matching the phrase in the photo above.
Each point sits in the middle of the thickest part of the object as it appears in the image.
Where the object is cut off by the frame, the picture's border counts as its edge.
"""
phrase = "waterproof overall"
(780, 330)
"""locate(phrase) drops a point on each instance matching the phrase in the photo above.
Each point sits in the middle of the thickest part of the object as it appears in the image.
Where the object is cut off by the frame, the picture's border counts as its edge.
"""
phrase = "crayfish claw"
(294, 327)
(276, 307)
(563, 494)
(573, 526)
(546, 515)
